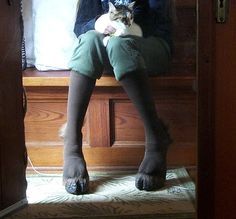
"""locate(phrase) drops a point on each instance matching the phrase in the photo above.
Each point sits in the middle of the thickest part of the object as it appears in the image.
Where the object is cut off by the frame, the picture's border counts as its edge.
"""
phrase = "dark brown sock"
(75, 174)
(152, 171)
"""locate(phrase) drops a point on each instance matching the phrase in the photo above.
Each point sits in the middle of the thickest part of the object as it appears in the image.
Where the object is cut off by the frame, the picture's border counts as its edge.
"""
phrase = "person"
(132, 59)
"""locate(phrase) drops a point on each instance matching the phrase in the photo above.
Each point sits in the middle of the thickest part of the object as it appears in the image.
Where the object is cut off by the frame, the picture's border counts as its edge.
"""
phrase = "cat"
(121, 18)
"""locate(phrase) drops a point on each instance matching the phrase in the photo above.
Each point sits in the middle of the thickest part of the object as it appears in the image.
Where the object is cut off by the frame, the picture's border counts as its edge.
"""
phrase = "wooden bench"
(34, 78)
(113, 132)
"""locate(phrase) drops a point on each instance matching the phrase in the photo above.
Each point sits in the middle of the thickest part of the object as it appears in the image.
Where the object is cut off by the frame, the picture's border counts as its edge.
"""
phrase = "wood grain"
(112, 121)
(35, 78)
(99, 123)
(106, 157)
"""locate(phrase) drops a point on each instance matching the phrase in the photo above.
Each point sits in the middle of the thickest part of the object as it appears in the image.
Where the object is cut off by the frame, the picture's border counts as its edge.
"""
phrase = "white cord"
(25, 102)
(38, 172)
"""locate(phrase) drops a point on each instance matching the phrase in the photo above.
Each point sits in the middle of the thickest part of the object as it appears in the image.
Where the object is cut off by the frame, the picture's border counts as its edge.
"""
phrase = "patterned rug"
(112, 195)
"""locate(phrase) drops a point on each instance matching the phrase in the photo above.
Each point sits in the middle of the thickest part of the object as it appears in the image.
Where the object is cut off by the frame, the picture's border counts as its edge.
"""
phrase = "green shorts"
(121, 55)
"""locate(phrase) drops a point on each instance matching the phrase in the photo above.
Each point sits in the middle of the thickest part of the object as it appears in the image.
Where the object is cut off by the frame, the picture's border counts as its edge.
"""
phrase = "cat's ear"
(131, 5)
(111, 7)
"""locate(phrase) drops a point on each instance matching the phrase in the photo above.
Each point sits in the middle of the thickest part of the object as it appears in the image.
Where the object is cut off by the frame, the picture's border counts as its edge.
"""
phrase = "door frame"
(12, 141)
(205, 126)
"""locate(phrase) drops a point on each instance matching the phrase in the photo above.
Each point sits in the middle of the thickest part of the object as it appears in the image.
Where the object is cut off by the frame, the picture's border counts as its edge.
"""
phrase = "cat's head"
(122, 13)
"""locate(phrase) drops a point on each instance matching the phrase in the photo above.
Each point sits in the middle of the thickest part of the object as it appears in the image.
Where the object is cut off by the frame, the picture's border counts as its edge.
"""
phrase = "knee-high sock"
(152, 170)
(75, 172)
(137, 88)
(80, 91)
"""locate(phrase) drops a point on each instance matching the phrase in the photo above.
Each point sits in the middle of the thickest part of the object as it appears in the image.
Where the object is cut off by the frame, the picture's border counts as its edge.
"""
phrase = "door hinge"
(222, 10)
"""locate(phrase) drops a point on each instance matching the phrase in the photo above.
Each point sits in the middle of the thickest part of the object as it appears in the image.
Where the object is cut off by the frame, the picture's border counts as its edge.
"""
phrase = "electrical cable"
(38, 172)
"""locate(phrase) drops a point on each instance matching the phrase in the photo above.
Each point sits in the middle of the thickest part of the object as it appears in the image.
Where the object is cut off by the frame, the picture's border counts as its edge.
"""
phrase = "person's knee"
(91, 39)
(118, 43)
(124, 56)
(92, 35)
(88, 55)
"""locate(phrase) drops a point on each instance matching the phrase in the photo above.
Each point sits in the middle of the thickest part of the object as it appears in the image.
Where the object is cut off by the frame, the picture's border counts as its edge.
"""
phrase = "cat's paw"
(105, 40)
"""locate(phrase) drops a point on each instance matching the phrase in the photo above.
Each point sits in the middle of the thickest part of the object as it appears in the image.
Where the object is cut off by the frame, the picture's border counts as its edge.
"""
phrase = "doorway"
(120, 131)
(203, 98)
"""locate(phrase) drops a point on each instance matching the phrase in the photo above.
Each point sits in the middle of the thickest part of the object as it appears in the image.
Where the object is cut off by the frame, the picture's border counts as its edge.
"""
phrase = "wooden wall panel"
(127, 129)
(99, 123)
(46, 114)
(112, 124)
(44, 120)
(50, 157)
(179, 113)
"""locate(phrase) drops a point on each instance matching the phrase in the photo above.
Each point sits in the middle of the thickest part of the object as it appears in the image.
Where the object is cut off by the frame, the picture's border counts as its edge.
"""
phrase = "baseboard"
(13, 208)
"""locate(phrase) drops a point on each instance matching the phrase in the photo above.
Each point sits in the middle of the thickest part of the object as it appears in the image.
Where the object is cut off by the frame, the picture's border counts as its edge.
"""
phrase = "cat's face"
(122, 13)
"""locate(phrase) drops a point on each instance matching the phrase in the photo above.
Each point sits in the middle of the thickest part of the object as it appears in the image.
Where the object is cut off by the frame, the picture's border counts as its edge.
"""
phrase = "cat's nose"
(126, 22)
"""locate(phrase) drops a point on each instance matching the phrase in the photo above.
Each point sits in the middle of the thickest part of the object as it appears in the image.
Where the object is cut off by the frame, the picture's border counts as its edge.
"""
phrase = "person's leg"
(86, 65)
(75, 174)
(152, 171)
(129, 65)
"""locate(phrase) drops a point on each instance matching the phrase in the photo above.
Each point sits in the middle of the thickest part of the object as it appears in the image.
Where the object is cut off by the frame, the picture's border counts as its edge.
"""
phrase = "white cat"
(121, 18)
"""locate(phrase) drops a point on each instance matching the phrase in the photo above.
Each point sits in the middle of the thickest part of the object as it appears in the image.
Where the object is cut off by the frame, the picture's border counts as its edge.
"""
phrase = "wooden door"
(12, 146)
(225, 116)
(217, 118)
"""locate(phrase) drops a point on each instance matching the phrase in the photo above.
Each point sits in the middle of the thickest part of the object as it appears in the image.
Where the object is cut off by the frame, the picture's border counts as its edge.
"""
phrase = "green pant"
(122, 55)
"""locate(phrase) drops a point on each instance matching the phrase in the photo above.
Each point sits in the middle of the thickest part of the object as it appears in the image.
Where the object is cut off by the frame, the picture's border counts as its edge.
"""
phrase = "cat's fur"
(121, 18)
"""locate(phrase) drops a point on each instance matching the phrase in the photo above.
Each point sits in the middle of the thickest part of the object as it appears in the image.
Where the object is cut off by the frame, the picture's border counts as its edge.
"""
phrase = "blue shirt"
(152, 16)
